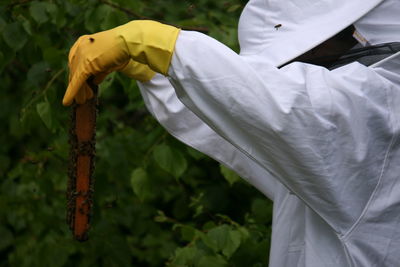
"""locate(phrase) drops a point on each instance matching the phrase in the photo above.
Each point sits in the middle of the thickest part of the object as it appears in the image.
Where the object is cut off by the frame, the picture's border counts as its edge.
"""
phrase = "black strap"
(367, 55)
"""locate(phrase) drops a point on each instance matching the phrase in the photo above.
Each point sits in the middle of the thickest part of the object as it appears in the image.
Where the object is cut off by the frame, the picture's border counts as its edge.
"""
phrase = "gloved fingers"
(137, 71)
(72, 51)
(74, 87)
(84, 94)
(80, 97)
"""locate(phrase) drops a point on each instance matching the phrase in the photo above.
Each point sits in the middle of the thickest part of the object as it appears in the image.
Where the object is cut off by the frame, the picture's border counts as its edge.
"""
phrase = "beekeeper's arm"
(316, 130)
(293, 122)
(161, 100)
(152, 44)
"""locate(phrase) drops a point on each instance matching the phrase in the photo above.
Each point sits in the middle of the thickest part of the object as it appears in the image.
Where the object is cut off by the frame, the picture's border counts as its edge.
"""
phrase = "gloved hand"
(148, 42)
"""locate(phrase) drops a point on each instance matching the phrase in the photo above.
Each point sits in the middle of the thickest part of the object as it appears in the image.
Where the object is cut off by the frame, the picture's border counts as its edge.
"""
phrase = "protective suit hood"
(381, 25)
(279, 31)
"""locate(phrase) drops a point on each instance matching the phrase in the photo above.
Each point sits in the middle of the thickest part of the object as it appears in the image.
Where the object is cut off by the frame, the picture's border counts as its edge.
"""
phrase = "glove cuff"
(150, 42)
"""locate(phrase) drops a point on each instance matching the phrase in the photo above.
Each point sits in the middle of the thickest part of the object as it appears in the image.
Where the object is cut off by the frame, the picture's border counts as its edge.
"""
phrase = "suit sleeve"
(162, 102)
(319, 132)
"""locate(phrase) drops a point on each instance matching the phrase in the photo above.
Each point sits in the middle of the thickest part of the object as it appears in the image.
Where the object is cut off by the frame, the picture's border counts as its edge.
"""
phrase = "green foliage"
(229, 175)
(157, 202)
(170, 160)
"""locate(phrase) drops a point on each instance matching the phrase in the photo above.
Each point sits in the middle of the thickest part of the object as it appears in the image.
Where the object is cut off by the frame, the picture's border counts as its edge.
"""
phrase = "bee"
(277, 26)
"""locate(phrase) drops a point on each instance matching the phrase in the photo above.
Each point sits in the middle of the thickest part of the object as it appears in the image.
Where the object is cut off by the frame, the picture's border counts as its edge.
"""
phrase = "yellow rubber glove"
(148, 42)
(138, 71)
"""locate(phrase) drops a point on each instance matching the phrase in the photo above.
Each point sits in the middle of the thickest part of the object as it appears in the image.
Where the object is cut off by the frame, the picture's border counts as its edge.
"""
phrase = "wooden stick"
(82, 152)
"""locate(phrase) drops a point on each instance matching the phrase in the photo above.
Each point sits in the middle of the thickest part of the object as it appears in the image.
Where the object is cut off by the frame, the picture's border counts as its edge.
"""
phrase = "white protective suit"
(323, 145)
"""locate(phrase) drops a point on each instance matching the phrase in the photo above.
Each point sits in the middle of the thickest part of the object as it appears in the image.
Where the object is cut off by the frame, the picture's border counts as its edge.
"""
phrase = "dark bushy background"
(157, 202)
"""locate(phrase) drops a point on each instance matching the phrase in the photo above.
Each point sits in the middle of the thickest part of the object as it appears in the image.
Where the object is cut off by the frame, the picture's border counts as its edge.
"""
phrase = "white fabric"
(382, 25)
(322, 144)
(279, 31)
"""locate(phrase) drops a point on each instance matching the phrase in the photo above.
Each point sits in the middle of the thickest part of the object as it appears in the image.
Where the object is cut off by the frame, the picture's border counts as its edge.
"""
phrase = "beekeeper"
(322, 143)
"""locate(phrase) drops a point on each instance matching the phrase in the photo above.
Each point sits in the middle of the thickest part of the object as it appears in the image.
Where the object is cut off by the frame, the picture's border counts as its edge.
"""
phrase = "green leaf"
(52, 10)
(38, 73)
(209, 242)
(232, 244)
(52, 55)
(233, 8)
(212, 261)
(60, 20)
(113, 18)
(95, 16)
(229, 175)
(15, 36)
(170, 160)
(106, 83)
(223, 239)
(38, 12)
(244, 232)
(72, 8)
(44, 111)
(183, 256)
(209, 225)
(26, 24)
(197, 155)
(188, 233)
(140, 184)
(219, 236)
(160, 217)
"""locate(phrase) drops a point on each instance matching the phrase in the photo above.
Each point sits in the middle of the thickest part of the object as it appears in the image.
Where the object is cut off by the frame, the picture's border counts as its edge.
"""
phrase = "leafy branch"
(18, 3)
(123, 9)
(43, 92)
(138, 16)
